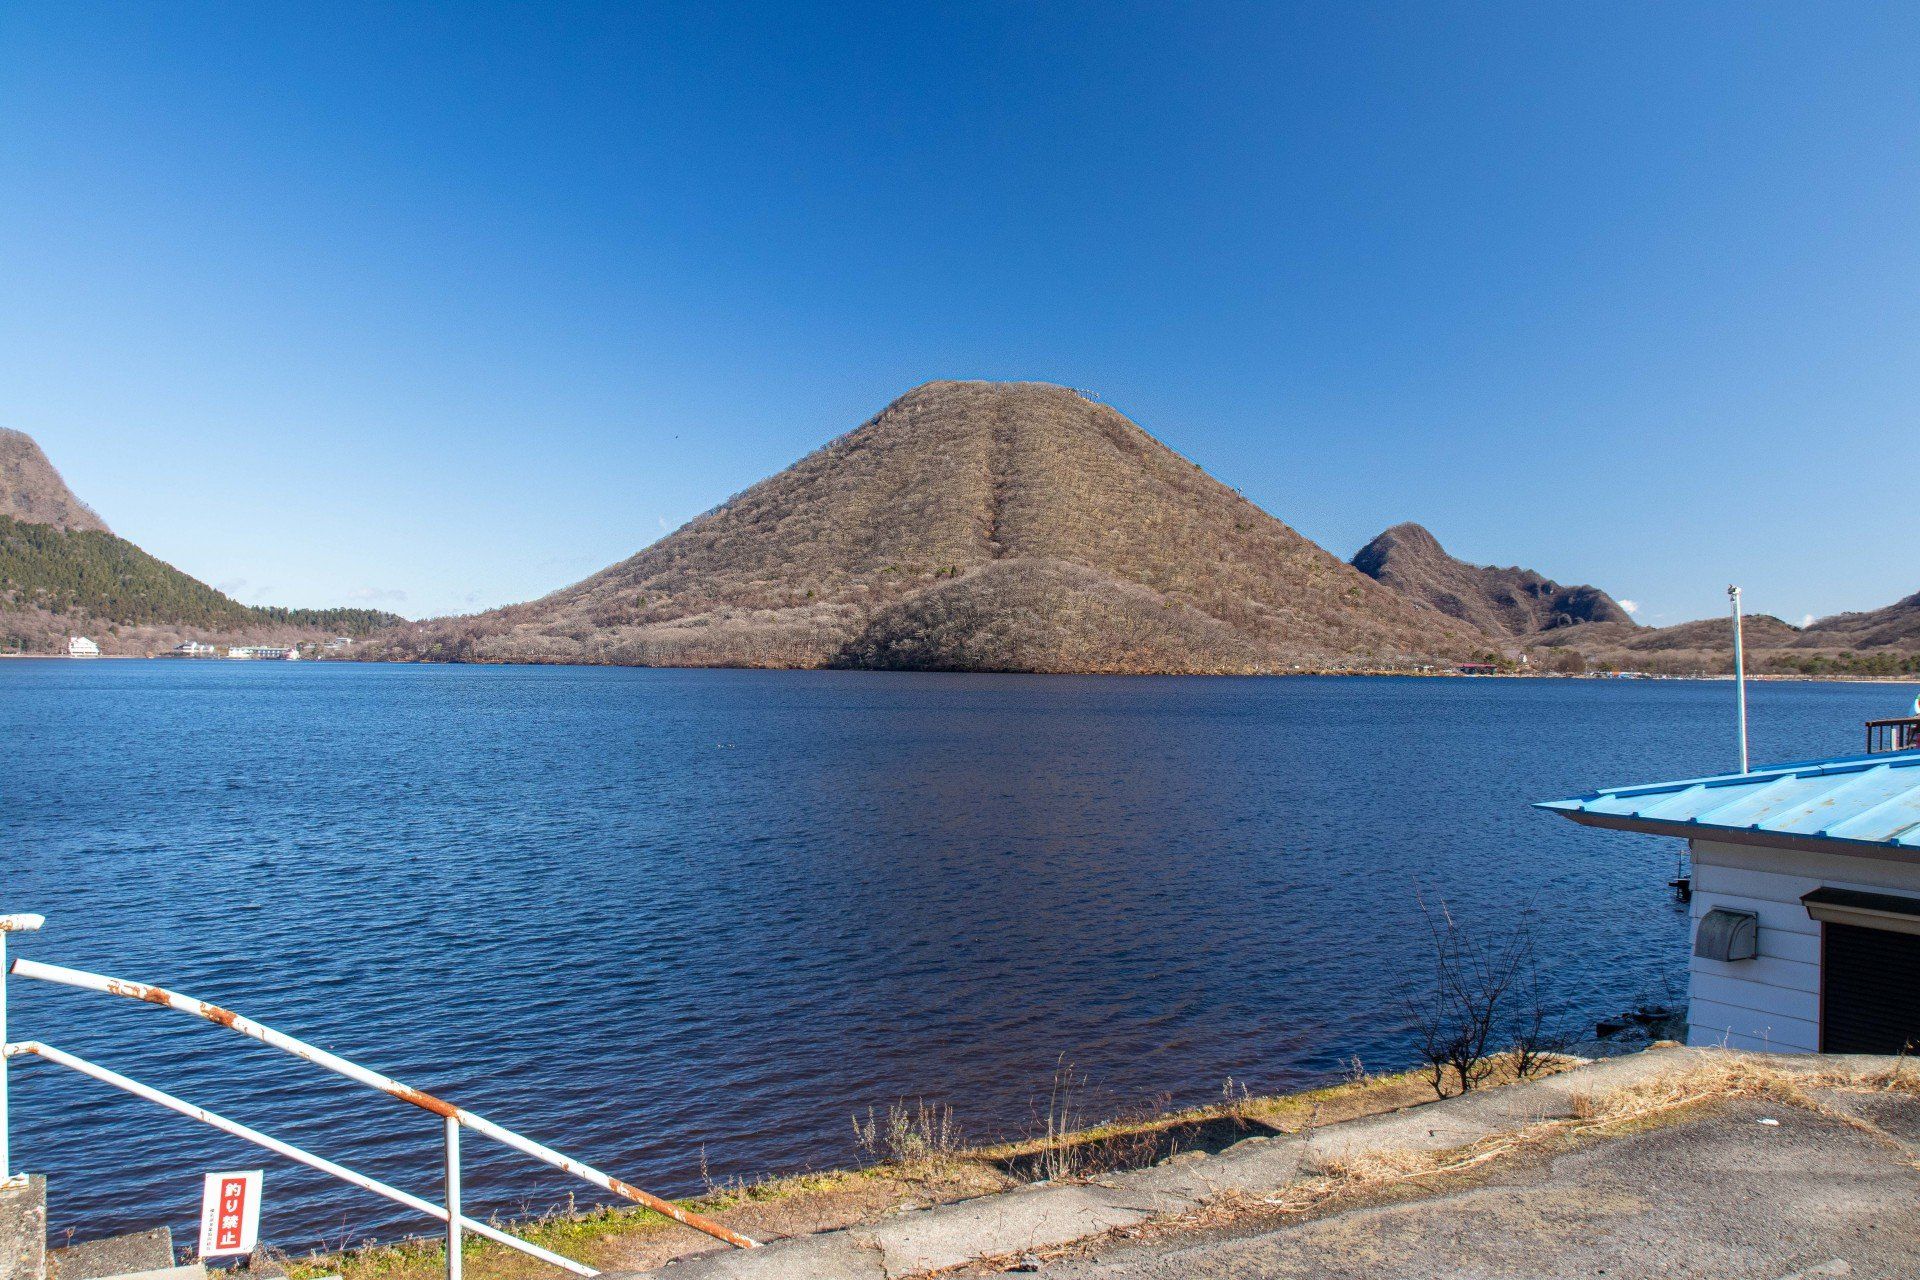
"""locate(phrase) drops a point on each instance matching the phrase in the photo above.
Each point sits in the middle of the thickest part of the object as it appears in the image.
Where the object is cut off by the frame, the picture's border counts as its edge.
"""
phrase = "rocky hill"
(63, 574)
(32, 492)
(1563, 628)
(1516, 603)
(973, 526)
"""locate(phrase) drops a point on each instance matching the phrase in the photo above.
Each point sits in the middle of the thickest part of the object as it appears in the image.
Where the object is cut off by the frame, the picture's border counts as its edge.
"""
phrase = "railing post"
(453, 1198)
(8, 924)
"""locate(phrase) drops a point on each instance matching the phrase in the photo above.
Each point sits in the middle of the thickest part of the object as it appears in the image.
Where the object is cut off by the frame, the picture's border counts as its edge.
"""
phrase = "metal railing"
(1902, 733)
(452, 1118)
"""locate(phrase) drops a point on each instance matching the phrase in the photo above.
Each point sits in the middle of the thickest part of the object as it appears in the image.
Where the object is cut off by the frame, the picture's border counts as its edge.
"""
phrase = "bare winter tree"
(1534, 1044)
(1468, 999)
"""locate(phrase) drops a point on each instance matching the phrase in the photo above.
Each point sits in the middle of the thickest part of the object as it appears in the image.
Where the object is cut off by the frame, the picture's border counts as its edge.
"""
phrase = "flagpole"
(1739, 675)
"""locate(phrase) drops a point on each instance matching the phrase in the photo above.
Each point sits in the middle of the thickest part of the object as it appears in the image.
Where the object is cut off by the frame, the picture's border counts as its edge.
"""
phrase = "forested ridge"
(94, 574)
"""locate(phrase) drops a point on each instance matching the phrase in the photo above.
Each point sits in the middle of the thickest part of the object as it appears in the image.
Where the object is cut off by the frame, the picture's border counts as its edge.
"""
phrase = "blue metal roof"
(1853, 800)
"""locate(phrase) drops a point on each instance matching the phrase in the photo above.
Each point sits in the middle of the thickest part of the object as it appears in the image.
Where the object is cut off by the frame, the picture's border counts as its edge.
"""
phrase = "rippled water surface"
(649, 914)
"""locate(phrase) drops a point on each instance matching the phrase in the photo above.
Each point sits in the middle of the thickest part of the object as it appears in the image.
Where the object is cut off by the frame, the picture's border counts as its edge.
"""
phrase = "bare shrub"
(1534, 1046)
(1457, 1015)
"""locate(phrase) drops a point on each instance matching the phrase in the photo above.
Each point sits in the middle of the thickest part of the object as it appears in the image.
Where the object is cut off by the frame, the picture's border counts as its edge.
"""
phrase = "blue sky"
(437, 307)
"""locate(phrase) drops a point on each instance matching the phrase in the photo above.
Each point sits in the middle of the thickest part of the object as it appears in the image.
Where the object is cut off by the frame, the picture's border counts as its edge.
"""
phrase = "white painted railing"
(452, 1118)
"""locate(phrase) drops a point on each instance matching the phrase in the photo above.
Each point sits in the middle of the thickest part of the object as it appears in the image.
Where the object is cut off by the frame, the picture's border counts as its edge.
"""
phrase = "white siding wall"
(1772, 1001)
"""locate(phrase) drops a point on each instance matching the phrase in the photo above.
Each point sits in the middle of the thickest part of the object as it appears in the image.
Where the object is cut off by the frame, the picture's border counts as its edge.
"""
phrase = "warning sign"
(230, 1213)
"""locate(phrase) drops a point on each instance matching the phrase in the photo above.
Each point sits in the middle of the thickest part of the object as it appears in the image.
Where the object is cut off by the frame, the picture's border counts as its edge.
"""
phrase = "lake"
(658, 917)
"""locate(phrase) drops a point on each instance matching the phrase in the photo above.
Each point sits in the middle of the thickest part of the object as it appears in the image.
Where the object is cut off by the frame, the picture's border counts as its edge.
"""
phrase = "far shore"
(1372, 672)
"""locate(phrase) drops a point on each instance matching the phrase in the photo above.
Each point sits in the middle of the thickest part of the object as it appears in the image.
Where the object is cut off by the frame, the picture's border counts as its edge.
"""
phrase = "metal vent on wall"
(1727, 935)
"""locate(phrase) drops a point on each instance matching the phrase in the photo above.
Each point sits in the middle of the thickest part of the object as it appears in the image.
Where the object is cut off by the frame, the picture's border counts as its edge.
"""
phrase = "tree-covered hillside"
(93, 574)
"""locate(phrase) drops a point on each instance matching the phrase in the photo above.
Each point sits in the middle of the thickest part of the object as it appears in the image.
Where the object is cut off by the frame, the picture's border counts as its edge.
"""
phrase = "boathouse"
(1805, 896)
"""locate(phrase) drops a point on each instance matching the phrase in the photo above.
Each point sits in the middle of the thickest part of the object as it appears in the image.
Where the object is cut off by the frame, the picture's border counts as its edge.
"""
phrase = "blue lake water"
(646, 915)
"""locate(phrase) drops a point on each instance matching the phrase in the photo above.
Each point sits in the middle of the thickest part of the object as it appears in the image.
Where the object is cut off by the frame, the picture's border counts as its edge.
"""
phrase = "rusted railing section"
(453, 1118)
(291, 1152)
(374, 1080)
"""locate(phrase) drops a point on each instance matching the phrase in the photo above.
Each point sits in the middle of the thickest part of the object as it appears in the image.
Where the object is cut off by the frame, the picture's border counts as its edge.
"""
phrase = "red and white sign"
(230, 1213)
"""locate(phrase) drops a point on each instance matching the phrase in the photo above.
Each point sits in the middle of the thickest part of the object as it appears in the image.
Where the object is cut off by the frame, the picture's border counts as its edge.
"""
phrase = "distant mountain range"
(1881, 642)
(1023, 527)
(1576, 628)
(63, 573)
(970, 526)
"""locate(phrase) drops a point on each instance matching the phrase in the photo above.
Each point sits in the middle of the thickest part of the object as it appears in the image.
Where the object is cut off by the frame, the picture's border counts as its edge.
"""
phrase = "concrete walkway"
(1724, 1195)
(1046, 1217)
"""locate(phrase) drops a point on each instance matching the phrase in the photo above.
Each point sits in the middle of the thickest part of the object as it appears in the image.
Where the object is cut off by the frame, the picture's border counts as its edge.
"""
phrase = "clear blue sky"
(443, 306)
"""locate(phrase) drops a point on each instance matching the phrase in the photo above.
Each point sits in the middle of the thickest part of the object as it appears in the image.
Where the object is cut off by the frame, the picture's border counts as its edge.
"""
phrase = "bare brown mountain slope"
(1877, 642)
(32, 492)
(1501, 602)
(973, 526)
(1895, 626)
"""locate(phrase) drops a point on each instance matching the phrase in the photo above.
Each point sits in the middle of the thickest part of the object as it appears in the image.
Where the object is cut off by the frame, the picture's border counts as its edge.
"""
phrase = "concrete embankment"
(1044, 1221)
(922, 1162)
(1257, 1170)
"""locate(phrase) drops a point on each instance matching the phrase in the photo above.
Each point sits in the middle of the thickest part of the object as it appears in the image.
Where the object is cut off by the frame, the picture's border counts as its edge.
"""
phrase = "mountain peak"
(1512, 602)
(1405, 538)
(32, 492)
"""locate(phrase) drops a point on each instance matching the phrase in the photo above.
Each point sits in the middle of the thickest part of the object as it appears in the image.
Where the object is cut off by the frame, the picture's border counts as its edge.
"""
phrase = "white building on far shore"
(81, 647)
(279, 652)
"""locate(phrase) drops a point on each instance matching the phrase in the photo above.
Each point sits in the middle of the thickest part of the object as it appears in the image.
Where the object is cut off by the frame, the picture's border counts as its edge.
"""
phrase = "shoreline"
(1375, 673)
(919, 1164)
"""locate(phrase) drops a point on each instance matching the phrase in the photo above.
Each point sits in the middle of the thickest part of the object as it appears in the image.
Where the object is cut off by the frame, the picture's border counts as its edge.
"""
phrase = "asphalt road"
(1721, 1195)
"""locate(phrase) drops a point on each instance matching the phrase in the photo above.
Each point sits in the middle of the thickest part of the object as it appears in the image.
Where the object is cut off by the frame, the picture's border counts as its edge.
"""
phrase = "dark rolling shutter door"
(1870, 990)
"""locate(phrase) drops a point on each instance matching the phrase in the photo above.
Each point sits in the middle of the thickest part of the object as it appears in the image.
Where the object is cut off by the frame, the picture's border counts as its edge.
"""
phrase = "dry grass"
(925, 1164)
(921, 1159)
(619, 1238)
(1656, 1102)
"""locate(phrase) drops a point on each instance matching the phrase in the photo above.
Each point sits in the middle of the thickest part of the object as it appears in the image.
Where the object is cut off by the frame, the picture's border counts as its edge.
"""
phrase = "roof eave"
(1736, 835)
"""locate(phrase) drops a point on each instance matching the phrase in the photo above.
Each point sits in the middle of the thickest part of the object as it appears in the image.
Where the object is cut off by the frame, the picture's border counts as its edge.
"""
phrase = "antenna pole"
(1739, 675)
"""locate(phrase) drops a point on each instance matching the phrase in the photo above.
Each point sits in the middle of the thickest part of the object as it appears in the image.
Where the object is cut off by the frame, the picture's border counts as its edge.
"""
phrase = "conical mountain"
(31, 490)
(974, 526)
(1509, 602)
